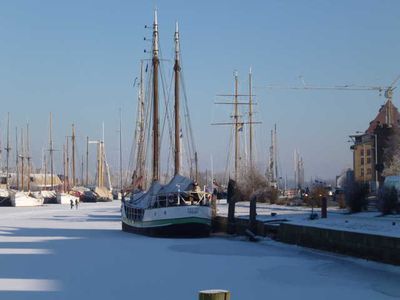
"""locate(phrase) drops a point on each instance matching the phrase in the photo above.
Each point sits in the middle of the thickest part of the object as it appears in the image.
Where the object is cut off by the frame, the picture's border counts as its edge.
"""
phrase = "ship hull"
(5, 197)
(186, 222)
(5, 201)
(64, 198)
(23, 199)
(184, 230)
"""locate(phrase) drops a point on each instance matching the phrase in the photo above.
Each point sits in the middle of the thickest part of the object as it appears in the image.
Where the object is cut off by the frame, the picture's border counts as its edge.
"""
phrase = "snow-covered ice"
(53, 252)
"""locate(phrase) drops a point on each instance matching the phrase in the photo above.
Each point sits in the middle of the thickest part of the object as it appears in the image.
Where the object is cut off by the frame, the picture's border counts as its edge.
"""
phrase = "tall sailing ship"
(180, 207)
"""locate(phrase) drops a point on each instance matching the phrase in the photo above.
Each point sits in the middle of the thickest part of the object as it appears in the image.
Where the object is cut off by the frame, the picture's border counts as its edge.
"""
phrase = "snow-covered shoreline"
(338, 219)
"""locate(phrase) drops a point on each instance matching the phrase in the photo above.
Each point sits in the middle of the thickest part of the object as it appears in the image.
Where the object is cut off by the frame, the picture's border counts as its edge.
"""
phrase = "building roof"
(381, 117)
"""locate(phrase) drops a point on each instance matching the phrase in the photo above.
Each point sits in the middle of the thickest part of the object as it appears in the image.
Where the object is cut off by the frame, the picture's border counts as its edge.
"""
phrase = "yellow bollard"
(214, 295)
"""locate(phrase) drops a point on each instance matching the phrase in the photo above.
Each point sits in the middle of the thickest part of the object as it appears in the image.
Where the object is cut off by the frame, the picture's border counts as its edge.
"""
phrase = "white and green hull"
(173, 221)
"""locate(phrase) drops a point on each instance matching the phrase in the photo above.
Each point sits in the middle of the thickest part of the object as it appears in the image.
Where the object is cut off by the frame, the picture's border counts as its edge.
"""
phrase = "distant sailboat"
(5, 178)
(100, 192)
(21, 197)
(66, 196)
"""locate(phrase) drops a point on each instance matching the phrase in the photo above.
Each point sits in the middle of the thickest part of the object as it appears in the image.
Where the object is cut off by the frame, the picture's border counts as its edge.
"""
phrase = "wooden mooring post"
(324, 208)
(253, 214)
(251, 230)
(231, 206)
(214, 295)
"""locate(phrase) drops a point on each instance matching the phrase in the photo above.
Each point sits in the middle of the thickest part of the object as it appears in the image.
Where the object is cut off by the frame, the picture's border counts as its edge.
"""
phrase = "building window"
(368, 152)
(362, 160)
(362, 152)
(369, 171)
(368, 160)
(362, 172)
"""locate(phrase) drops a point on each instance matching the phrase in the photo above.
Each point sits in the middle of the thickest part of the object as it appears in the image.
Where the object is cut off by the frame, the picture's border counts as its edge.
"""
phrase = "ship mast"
(64, 169)
(236, 121)
(250, 121)
(140, 159)
(51, 150)
(82, 167)
(177, 70)
(16, 157)
(73, 155)
(120, 149)
(87, 161)
(22, 156)
(276, 157)
(28, 156)
(67, 161)
(155, 62)
(8, 148)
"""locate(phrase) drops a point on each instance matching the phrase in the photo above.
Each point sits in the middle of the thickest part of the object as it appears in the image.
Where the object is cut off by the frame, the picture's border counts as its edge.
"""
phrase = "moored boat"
(65, 198)
(49, 197)
(5, 197)
(25, 199)
(4, 190)
(179, 208)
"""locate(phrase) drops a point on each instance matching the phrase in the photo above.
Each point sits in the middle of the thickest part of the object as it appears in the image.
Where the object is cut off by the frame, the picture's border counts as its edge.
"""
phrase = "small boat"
(49, 197)
(65, 198)
(19, 198)
(5, 197)
(88, 196)
(4, 191)
(103, 194)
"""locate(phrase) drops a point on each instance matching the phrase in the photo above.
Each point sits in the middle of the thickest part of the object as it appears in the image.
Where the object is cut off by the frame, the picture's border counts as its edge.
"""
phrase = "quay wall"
(368, 246)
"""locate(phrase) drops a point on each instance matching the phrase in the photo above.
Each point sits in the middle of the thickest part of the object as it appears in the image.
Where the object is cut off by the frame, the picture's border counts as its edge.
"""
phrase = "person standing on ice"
(76, 203)
(72, 203)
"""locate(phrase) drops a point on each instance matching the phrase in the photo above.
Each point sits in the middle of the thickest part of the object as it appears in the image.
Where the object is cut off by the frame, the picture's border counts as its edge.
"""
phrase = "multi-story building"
(368, 147)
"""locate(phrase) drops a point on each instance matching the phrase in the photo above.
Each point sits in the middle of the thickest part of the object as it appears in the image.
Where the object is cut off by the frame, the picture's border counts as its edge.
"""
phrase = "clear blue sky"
(78, 59)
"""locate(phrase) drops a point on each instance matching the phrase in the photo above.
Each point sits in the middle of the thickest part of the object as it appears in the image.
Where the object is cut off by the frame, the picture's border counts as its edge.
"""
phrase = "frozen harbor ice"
(53, 252)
